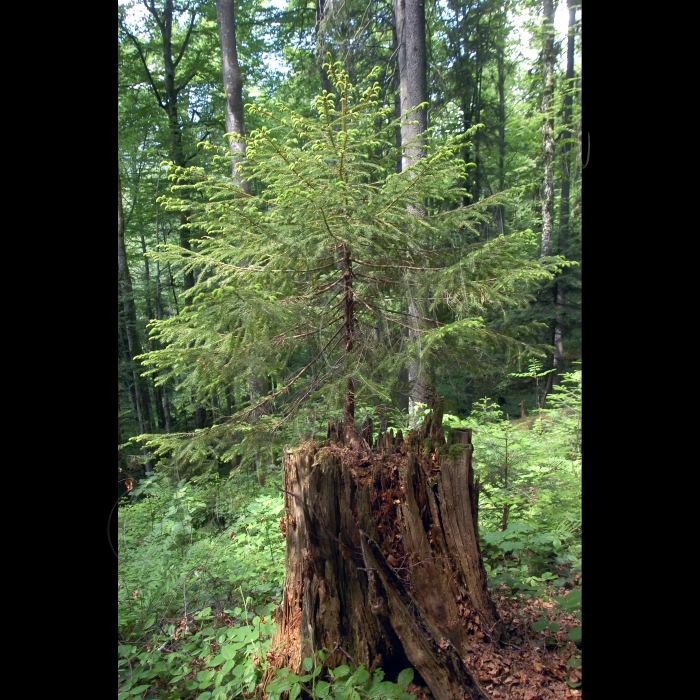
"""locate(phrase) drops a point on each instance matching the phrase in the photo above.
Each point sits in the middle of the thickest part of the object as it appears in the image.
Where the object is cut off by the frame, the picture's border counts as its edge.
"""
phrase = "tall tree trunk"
(177, 153)
(154, 391)
(547, 193)
(167, 100)
(409, 22)
(383, 562)
(130, 321)
(501, 133)
(547, 126)
(564, 216)
(233, 87)
(235, 125)
(321, 51)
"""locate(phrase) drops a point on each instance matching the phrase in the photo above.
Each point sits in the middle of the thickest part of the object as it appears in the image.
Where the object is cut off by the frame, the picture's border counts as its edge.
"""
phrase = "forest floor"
(533, 665)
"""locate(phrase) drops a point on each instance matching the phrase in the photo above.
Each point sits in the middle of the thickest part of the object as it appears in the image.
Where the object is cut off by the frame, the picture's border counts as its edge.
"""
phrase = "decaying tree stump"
(383, 565)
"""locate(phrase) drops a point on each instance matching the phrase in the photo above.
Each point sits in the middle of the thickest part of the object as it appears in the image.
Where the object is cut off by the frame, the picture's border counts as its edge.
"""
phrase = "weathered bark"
(233, 88)
(350, 431)
(383, 563)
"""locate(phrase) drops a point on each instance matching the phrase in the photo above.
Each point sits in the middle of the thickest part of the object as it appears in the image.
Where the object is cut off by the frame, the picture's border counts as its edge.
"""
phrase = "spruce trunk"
(383, 565)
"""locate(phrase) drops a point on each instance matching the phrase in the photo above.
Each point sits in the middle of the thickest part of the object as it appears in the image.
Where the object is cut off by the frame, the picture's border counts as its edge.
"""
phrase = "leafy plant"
(341, 683)
(200, 572)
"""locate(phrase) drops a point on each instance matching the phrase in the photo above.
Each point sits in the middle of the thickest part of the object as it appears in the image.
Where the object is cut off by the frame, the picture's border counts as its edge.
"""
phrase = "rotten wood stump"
(383, 565)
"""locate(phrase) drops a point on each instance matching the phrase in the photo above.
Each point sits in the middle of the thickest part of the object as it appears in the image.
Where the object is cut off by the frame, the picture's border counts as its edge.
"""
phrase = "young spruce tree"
(303, 280)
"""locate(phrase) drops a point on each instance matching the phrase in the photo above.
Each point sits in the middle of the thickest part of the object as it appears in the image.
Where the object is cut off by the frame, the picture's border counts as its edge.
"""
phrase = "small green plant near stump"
(342, 682)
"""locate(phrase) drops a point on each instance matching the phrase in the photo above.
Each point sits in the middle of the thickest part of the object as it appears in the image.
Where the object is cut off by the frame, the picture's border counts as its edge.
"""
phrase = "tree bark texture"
(409, 24)
(233, 87)
(564, 215)
(383, 564)
(409, 20)
(547, 126)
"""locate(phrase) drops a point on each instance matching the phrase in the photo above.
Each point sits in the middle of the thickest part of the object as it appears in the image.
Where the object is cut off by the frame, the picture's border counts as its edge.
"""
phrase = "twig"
(337, 646)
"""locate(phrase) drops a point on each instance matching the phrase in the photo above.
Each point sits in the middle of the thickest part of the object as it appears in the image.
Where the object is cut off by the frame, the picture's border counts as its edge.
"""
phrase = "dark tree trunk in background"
(547, 126)
(349, 429)
(564, 215)
(235, 124)
(130, 323)
(547, 192)
(168, 99)
(321, 51)
(233, 87)
(154, 391)
(177, 153)
(501, 134)
(383, 558)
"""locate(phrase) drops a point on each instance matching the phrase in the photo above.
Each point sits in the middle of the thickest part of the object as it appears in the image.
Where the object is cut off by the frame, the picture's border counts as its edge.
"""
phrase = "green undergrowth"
(201, 561)
(200, 573)
(529, 473)
(340, 682)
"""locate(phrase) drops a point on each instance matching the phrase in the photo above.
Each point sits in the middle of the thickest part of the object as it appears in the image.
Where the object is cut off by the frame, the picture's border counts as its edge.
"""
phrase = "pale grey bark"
(233, 88)
(547, 126)
(409, 19)
(409, 23)
(564, 216)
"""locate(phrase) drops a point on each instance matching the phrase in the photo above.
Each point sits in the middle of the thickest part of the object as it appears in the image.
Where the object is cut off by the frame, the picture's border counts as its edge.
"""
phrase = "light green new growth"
(270, 300)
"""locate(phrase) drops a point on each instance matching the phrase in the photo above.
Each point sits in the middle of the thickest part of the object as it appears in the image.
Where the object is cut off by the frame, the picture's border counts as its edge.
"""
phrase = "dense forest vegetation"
(349, 349)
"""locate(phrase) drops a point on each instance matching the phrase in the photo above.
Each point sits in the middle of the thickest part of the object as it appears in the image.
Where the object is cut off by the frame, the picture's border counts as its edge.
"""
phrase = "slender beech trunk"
(235, 127)
(547, 126)
(409, 22)
(177, 152)
(168, 98)
(501, 134)
(564, 216)
(321, 51)
(547, 192)
(130, 321)
(154, 391)
(127, 374)
(233, 87)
